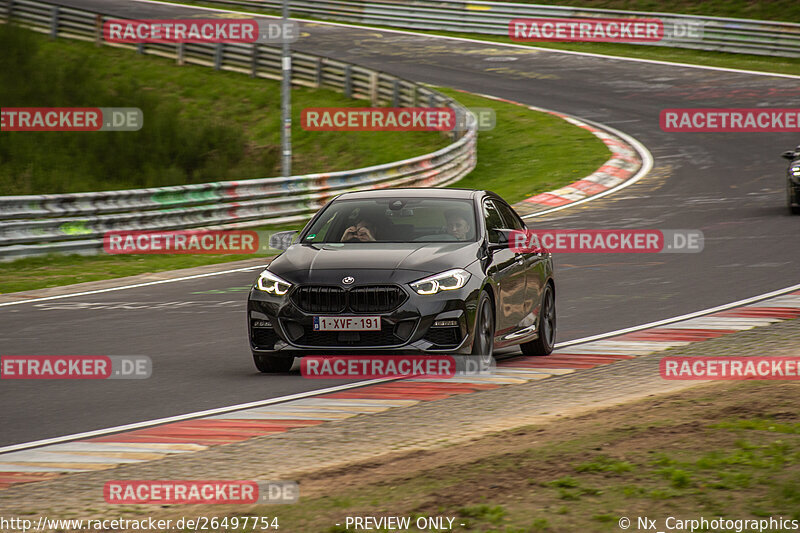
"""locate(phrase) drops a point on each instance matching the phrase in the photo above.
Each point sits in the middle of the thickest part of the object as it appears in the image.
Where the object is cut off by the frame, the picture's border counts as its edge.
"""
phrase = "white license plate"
(347, 323)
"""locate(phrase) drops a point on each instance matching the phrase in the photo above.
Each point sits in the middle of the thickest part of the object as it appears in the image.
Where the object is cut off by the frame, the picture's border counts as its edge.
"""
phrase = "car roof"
(419, 192)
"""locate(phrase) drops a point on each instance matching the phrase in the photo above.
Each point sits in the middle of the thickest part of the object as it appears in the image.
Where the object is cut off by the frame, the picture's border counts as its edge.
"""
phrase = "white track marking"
(187, 416)
(35, 456)
(255, 415)
(28, 468)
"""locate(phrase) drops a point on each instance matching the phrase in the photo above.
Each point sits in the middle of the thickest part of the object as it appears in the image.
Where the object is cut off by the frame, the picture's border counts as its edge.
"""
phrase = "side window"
(512, 220)
(493, 220)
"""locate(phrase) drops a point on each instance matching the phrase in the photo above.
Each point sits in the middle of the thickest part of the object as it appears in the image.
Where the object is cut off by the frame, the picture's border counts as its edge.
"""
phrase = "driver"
(362, 231)
(457, 224)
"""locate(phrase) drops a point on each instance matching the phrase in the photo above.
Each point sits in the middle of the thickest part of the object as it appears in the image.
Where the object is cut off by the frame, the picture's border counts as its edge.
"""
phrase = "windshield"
(394, 220)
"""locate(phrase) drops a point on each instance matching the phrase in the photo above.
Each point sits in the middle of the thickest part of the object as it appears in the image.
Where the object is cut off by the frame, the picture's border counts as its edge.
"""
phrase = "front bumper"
(279, 327)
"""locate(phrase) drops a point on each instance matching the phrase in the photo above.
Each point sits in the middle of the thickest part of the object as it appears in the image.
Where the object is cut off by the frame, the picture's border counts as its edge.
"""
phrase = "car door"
(508, 271)
(533, 265)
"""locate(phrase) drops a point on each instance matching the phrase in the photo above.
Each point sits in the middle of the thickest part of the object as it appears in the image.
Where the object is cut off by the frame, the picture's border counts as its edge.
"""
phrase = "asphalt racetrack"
(729, 185)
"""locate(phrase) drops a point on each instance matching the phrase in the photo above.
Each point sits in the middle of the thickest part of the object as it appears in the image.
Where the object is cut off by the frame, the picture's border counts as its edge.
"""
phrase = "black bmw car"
(403, 271)
(793, 180)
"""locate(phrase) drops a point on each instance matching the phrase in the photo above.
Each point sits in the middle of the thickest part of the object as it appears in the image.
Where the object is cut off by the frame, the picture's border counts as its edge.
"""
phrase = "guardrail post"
(10, 10)
(180, 50)
(254, 53)
(348, 81)
(374, 93)
(140, 48)
(414, 96)
(54, 23)
(319, 73)
(98, 30)
(218, 57)
(396, 93)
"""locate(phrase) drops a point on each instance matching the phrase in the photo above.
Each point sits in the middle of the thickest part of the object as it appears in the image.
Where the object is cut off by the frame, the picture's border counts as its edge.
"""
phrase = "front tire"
(483, 343)
(270, 364)
(544, 343)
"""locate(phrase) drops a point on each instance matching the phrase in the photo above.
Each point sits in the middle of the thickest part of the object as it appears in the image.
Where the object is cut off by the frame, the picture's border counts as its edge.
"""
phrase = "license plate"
(347, 323)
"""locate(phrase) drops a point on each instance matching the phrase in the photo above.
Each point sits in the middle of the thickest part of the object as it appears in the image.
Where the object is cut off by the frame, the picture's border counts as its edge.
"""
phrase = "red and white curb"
(629, 161)
(190, 435)
(625, 162)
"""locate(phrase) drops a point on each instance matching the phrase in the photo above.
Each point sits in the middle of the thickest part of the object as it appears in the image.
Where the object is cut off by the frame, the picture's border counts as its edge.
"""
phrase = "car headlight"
(795, 171)
(444, 281)
(269, 282)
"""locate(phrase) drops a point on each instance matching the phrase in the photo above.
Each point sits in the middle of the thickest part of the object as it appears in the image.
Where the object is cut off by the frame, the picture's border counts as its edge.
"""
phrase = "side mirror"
(789, 154)
(282, 239)
(499, 239)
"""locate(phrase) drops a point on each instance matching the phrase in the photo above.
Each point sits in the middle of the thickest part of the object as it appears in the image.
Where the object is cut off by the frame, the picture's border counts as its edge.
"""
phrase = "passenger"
(363, 231)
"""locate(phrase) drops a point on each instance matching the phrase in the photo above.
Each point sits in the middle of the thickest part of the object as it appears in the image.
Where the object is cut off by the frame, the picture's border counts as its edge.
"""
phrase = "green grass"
(199, 125)
(783, 10)
(603, 463)
(761, 425)
(493, 514)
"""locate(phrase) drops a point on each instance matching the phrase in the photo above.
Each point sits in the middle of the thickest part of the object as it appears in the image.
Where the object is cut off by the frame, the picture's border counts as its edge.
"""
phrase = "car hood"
(304, 262)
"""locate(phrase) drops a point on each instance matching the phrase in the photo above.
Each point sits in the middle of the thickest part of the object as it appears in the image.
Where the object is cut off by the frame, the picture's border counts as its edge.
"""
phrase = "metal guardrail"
(744, 36)
(74, 223)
